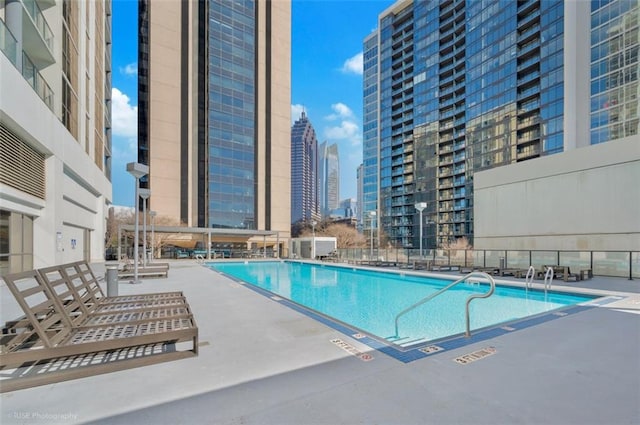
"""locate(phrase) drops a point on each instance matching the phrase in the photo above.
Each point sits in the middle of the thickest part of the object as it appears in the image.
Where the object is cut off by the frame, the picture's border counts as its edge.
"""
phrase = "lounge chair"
(83, 299)
(52, 332)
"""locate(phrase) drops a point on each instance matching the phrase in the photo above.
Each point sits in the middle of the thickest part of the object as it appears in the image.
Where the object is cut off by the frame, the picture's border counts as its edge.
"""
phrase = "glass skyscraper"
(304, 171)
(614, 69)
(463, 86)
(328, 178)
(215, 109)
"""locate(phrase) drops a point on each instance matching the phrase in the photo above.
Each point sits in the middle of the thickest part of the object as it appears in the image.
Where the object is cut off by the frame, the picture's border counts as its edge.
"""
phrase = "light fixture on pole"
(152, 214)
(421, 206)
(144, 194)
(137, 170)
(372, 214)
(313, 239)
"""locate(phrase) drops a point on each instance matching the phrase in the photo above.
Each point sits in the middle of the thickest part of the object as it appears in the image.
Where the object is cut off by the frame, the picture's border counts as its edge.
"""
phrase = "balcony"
(9, 47)
(529, 19)
(37, 37)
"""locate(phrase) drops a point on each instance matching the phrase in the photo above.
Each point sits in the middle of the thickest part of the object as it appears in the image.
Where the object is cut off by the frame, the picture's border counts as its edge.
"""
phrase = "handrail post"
(492, 288)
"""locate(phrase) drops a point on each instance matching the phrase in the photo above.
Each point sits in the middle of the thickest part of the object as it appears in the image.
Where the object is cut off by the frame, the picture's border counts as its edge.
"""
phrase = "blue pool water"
(370, 301)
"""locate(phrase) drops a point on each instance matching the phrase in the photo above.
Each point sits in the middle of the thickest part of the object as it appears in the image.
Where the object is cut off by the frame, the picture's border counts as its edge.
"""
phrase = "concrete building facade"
(304, 171)
(580, 200)
(55, 132)
(466, 86)
(214, 112)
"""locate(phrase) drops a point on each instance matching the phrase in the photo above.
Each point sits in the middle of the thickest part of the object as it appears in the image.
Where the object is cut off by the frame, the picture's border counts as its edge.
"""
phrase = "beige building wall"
(281, 117)
(164, 106)
(585, 199)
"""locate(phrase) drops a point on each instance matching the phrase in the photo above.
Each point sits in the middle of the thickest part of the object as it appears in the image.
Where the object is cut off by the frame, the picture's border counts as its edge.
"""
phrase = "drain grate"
(476, 355)
(508, 328)
(431, 349)
(276, 298)
(359, 336)
(559, 313)
(352, 350)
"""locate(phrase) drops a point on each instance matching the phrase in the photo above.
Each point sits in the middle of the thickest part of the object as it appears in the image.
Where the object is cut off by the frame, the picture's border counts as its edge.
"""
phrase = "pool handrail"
(528, 280)
(548, 278)
(492, 288)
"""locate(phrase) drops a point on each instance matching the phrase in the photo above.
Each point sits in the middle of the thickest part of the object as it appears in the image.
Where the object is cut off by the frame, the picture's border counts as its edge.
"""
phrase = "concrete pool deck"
(261, 362)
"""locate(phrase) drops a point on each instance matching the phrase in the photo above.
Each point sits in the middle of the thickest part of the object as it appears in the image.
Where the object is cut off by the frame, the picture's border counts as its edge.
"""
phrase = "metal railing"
(492, 288)
(624, 264)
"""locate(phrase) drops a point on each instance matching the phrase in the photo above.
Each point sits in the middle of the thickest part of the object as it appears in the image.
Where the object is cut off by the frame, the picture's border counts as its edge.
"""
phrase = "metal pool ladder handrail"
(528, 280)
(492, 288)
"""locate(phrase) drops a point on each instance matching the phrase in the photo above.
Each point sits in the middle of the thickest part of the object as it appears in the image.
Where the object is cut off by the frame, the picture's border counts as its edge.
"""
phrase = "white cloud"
(353, 65)
(124, 119)
(129, 69)
(296, 111)
(346, 129)
(124, 116)
(341, 111)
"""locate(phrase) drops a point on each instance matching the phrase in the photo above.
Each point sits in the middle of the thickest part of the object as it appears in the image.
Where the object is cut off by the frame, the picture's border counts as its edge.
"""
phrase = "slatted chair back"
(85, 281)
(41, 307)
(62, 287)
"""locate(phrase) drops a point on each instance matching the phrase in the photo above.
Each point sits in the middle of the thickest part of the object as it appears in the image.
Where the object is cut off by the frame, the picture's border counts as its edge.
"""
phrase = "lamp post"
(372, 214)
(137, 170)
(144, 194)
(421, 206)
(313, 239)
(152, 214)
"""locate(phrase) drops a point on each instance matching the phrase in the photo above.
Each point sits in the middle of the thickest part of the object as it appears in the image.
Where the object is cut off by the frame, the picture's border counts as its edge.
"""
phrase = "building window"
(16, 242)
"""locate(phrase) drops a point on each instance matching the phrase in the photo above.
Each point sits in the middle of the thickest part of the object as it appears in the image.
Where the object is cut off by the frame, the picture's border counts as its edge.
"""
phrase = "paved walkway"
(261, 362)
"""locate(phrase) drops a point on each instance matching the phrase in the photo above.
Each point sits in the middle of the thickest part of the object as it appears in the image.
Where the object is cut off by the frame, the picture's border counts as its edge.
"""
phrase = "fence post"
(630, 265)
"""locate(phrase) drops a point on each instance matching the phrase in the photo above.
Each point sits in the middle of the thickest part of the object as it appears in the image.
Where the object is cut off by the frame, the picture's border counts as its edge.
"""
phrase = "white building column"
(577, 74)
(13, 20)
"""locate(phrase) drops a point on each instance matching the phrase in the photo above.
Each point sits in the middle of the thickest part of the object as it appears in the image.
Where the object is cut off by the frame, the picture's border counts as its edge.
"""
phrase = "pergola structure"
(248, 235)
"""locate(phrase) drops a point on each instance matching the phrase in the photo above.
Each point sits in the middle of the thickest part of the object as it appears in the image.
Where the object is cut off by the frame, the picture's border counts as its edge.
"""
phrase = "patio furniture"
(80, 294)
(563, 272)
(586, 274)
(57, 341)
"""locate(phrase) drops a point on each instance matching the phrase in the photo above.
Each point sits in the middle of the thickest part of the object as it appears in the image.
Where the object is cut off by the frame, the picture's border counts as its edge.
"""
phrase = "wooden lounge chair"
(83, 299)
(85, 284)
(53, 333)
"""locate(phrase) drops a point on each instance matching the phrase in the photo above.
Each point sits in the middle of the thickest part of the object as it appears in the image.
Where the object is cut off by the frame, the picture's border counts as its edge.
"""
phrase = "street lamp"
(144, 194)
(152, 214)
(313, 239)
(421, 206)
(372, 214)
(137, 170)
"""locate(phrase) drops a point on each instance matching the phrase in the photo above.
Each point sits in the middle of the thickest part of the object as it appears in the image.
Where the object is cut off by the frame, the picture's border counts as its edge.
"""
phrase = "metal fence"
(602, 263)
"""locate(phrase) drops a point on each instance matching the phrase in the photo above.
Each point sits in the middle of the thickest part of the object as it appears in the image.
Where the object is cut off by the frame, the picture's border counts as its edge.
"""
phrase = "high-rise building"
(455, 87)
(304, 171)
(55, 131)
(370, 136)
(360, 193)
(328, 177)
(214, 111)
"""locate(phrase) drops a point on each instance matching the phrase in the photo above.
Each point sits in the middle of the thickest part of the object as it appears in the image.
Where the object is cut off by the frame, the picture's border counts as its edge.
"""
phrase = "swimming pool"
(370, 300)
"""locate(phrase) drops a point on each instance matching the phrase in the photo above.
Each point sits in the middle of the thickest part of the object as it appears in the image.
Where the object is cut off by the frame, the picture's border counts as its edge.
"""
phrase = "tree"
(347, 236)
(457, 244)
(117, 216)
(120, 216)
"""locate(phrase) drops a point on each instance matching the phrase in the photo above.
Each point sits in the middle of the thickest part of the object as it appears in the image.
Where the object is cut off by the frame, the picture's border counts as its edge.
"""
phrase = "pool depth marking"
(352, 350)
(476, 355)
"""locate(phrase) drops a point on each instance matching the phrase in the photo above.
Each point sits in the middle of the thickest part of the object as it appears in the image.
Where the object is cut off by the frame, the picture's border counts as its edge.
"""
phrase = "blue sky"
(326, 80)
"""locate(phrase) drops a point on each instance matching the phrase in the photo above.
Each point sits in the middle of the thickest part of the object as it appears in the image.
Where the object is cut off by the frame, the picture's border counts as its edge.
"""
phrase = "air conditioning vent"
(21, 166)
